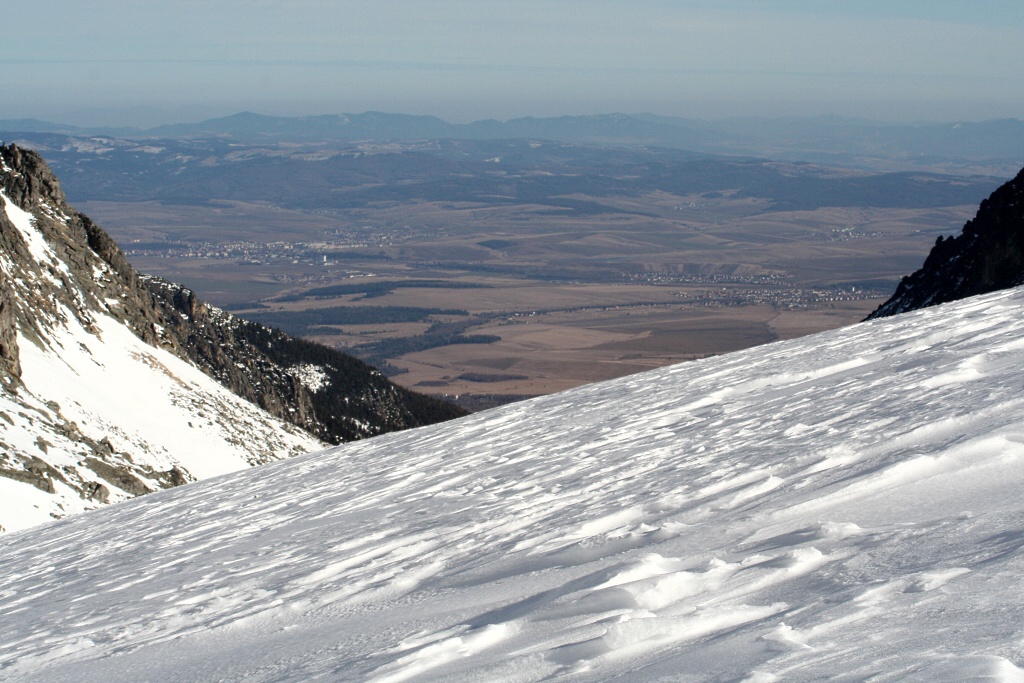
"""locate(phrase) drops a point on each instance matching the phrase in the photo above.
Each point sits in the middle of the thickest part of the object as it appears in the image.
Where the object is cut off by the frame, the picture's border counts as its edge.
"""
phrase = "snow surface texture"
(845, 506)
(154, 411)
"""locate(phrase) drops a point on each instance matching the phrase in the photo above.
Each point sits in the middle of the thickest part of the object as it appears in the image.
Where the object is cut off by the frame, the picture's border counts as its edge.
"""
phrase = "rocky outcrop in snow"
(987, 256)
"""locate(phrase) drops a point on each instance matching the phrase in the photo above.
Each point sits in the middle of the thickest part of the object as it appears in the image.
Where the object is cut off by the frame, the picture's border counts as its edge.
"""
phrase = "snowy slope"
(155, 411)
(845, 506)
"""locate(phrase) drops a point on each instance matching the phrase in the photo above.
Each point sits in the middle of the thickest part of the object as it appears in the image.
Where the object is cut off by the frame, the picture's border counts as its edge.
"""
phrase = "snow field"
(24, 222)
(147, 403)
(845, 506)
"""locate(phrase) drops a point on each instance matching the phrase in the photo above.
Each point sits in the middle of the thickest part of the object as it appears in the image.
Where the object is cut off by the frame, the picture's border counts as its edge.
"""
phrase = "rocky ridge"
(64, 283)
(988, 255)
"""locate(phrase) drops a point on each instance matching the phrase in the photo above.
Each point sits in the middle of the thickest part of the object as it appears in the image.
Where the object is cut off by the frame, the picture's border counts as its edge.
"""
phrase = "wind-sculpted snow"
(845, 507)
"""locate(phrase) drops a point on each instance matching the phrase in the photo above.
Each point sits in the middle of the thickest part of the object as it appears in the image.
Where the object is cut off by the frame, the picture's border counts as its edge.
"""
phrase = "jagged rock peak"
(988, 255)
(27, 178)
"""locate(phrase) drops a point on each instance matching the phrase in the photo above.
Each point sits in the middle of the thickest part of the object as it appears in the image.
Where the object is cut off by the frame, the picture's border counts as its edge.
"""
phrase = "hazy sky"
(142, 62)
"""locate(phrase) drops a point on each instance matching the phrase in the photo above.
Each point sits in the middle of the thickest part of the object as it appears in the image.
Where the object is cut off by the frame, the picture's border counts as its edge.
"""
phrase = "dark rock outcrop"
(10, 363)
(987, 256)
(349, 401)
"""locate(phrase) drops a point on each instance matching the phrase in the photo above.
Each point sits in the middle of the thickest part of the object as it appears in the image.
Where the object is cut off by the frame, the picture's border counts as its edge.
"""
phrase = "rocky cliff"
(218, 392)
(987, 255)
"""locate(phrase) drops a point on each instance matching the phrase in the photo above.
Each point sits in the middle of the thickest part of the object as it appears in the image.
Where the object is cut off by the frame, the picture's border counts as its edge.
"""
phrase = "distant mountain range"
(562, 175)
(837, 140)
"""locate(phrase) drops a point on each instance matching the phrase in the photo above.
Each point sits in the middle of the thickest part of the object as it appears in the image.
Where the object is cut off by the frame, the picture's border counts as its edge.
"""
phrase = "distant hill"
(987, 255)
(313, 176)
(828, 139)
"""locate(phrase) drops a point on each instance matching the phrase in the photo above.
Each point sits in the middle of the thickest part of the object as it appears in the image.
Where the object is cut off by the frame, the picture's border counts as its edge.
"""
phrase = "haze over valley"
(581, 189)
(496, 269)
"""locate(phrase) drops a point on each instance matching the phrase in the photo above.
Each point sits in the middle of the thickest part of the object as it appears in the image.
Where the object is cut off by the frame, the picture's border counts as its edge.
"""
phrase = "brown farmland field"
(563, 299)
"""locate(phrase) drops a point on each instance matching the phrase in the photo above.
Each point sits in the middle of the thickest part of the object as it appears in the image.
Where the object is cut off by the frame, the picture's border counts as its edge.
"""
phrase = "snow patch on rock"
(313, 377)
(24, 222)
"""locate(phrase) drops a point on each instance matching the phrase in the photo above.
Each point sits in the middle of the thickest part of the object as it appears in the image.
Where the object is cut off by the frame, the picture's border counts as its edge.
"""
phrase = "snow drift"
(843, 506)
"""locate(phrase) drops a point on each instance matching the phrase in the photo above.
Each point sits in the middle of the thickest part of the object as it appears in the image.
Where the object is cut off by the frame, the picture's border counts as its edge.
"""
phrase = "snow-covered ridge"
(113, 384)
(89, 412)
(845, 506)
(154, 412)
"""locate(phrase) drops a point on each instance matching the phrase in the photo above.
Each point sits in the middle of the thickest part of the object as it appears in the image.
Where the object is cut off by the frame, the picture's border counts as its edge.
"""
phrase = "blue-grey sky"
(143, 62)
